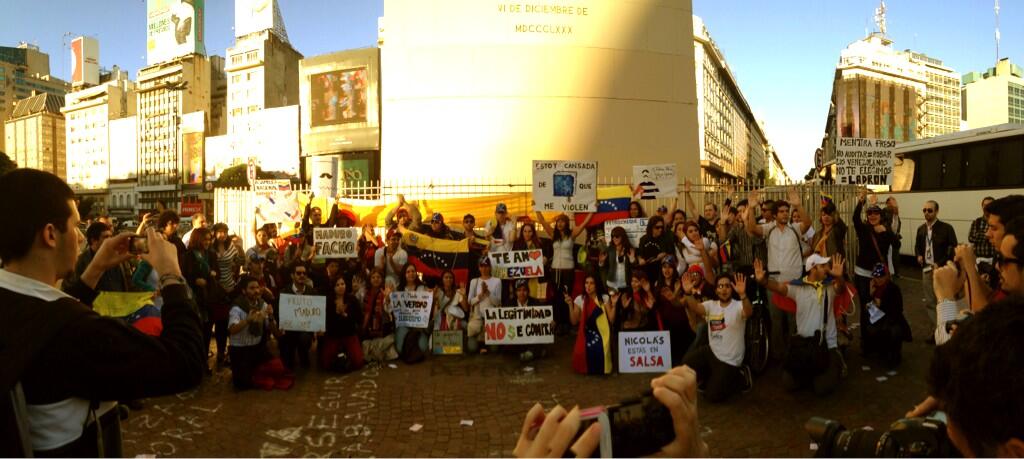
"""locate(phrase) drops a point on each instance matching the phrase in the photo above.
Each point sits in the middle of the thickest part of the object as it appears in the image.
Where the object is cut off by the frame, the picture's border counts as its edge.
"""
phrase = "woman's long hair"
(558, 235)
(623, 237)
(653, 221)
(535, 239)
(219, 245)
(402, 283)
(196, 240)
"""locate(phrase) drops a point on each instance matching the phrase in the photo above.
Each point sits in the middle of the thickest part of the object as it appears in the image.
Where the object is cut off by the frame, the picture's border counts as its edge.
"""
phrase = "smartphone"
(138, 244)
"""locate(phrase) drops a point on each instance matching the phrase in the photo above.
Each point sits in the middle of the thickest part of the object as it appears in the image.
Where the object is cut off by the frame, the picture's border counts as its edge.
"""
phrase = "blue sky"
(782, 52)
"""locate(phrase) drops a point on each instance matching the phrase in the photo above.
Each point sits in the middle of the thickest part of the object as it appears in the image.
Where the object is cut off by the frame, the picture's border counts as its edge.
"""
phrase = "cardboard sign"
(645, 352)
(635, 229)
(517, 264)
(276, 202)
(864, 161)
(566, 186)
(654, 181)
(303, 312)
(519, 325)
(335, 242)
(447, 342)
(411, 309)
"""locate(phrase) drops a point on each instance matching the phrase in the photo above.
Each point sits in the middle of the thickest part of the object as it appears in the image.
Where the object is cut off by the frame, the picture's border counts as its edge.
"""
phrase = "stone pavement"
(370, 412)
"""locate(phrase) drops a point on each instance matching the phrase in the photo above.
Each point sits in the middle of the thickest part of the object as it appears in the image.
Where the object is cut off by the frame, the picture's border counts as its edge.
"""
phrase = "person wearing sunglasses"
(654, 247)
(934, 246)
(293, 342)
(1008, 260)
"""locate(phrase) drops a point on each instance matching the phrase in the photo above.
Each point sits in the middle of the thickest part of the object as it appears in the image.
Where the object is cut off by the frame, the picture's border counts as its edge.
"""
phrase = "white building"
(87, 114)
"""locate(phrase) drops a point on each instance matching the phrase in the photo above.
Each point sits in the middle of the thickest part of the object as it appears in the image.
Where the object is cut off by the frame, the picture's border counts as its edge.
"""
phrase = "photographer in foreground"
(61, 362)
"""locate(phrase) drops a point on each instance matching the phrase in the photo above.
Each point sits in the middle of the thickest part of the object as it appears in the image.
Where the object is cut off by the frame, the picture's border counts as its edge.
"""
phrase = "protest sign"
(325, 175)
(447, 342)
(411, 309)
(275, 202)
(864, 161)
(635, 229)
(517, 264)
(653, 181)
(519, 325)
(645, 352)
(303, 312)
(335, 242)
(566, 186)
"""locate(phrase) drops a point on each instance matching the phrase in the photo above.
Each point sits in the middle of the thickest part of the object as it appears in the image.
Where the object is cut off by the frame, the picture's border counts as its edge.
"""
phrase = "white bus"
(957, 171)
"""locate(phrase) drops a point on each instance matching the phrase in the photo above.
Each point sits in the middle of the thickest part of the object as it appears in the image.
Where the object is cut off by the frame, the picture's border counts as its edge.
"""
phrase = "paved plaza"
(474, 406)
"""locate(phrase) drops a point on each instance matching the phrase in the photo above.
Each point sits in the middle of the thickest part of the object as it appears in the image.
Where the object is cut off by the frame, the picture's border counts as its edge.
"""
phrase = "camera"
(635, 427)
(913, 437)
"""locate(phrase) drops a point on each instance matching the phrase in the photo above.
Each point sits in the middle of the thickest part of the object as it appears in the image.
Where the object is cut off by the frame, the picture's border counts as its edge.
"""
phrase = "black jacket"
(943, 241)
(867, 255)
(92, 357)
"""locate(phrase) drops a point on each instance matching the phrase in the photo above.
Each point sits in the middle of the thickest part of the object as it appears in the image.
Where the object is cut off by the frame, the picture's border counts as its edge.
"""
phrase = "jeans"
(824, 382)
(929, 296)
(783, 325)
(400, 332)
(863, 285)
(721, 379)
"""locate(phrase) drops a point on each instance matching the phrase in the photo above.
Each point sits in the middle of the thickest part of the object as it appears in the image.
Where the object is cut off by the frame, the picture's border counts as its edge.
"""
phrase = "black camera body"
(912, 437)
(635, 427)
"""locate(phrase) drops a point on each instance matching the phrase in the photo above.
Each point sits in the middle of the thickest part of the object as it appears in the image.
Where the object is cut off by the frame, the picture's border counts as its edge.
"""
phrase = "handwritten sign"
(275, 202)
(864, 161)
(519, 325)
(335, 242)
(645, 352)
(567, 186)
(447, 342)
(517, 264)
(635, 229)
(654, 181)
(411, 309)
(303, 313)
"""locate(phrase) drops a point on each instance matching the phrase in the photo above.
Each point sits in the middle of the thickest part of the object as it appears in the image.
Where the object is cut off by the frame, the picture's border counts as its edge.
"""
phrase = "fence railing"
(235, 206)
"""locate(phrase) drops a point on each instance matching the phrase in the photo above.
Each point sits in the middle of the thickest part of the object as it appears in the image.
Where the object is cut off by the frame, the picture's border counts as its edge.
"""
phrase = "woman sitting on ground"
(339, 346)
(378, 329)
(451, 307)
(634, 307)
(250, 323)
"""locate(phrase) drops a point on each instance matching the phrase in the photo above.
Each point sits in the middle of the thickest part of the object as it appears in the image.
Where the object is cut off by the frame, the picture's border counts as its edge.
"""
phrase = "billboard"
(218, 156)
(193, 128)
(174, 28)
(123, 148)
(341, 102)
(258, 15)
(338, 97)
(85, 61)
(271, 136)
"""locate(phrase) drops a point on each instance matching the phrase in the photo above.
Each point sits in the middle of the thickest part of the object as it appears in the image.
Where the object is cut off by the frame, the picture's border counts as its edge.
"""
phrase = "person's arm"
(858, 223)
(919, 245)
(978, 290)
(709, 262)
(952, 235)
(609, 309)
(544, 224)
(838, 267)
(691, 207)
(793, 196)
(305, 214)
(582, 226)
(739, 282)
(770, 284)
(237, 327)
(752, 227)
(574, 309)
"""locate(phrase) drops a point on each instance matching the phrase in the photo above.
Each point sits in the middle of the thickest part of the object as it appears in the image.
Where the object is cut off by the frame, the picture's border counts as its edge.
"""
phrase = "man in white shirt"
(198, 221)
(391, 258)
(720, 361)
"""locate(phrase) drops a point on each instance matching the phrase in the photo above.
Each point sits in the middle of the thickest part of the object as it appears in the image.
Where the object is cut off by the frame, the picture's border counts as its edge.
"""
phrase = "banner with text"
(645, 352)
(447, 342)
(303, 313)
(864, 161)
(635, 229)
(411, 309)
(276, 202)
(519, 325)
(517, 264)
(652, 181)
(565, 186)
(335, 242)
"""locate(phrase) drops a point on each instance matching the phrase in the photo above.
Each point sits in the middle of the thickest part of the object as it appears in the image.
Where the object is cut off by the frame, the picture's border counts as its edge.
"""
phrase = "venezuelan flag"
(135, 308)
(432, 256)
(612, 204)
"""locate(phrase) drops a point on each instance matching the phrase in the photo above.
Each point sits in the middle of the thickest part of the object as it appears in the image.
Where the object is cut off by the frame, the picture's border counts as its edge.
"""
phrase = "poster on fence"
(864, 161)
(645, 352)
(276, 202)
(653, 181)
(565, 186)
(517, 264)
(447, 342)
(411, 309)
(335, 242)
(325, 176)
(635, 229)
(303, 312)
(519, 325)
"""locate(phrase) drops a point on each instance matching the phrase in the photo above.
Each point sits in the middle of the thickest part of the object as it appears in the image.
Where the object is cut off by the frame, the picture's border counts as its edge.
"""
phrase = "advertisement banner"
(190, 208)
(864, 161)
(654, 181)
(519, 325)
(635, 229)
(338, 97)
(447, 342)
(271, 136)
(517, 264)
(192, 126)
(645, 352)
(276, 202)
(324, 175)
(565, 186)
(411, 309)
(174, 28)
(303, 313)
(85, 61)
(335, 242)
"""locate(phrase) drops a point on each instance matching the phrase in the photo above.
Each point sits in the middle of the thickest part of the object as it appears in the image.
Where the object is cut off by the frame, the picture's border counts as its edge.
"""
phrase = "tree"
(6, 165)
(237, 177)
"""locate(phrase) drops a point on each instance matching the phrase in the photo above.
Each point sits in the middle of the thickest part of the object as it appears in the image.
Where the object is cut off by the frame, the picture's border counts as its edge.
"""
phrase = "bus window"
(1011, 162)
(952, 168)
(928, 173)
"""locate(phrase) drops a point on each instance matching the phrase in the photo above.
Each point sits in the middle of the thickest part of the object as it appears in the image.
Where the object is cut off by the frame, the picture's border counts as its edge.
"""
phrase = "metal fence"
(235, 206)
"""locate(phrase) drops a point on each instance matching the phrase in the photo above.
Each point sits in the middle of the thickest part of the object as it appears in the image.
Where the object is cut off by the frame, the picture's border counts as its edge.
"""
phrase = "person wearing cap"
(391, 258)
(934, 246)
(501, 231)
(436, 228)
(887, 326)
(873, 242)
(813, 358)
(484, 292)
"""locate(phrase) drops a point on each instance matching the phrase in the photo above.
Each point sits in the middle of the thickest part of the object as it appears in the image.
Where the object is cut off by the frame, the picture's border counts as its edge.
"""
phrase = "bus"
(957, 171)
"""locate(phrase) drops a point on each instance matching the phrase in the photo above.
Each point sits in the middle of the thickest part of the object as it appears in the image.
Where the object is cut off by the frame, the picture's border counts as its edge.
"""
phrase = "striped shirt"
(228, 263)
(743, 246)
(244, 337)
